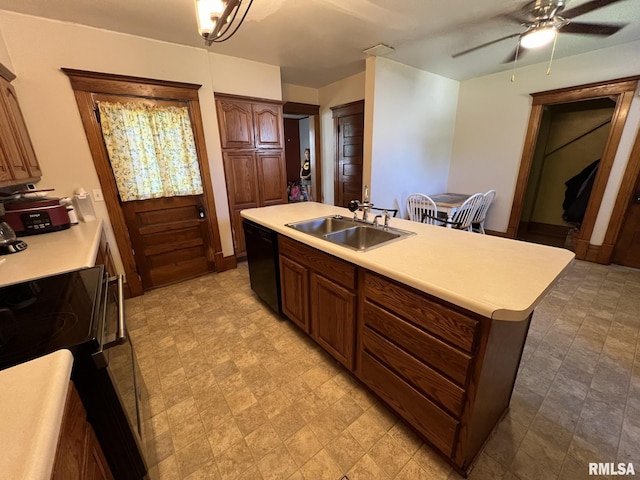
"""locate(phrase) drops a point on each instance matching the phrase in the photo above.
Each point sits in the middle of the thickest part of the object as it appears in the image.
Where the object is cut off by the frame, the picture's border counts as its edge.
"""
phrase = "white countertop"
(52, 253)
(496, 277)
(33, 396)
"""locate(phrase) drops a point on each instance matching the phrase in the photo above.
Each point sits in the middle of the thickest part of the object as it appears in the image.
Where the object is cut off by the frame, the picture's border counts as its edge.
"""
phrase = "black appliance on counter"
(83, 311)
(264, 267)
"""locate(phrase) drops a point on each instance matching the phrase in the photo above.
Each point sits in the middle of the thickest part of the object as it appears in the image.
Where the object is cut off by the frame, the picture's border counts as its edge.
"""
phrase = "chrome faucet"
(365, 206)
(384, 214)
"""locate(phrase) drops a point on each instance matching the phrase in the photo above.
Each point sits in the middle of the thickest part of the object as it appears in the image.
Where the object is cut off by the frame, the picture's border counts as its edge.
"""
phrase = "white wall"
(412, 117)
(492, 120)
(344, 91)
(52, 115)
(299, 94)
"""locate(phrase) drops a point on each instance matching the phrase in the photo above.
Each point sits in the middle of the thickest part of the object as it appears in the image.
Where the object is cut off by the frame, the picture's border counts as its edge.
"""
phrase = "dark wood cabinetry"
(18, 161)
(251, 135)
(446, 371)
(103, 256)
(318, 295)
(79, 454)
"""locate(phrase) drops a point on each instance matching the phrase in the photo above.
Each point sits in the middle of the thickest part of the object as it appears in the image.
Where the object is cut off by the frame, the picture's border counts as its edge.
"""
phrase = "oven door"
(122, 367)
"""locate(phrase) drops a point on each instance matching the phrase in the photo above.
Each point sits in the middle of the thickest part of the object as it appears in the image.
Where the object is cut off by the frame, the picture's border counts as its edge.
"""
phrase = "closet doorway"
(565, 162)
(302, 132)
(620, 92)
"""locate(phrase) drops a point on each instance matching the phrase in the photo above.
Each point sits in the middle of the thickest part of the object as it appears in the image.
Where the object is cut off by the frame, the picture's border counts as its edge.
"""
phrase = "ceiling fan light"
(538, 37)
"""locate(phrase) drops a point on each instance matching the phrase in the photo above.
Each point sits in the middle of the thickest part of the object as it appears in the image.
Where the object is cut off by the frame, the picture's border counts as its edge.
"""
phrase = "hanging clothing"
(577, 194)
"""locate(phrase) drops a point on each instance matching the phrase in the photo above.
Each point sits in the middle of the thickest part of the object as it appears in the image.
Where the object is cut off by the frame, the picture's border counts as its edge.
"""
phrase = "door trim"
(622, 90)
(84, 84)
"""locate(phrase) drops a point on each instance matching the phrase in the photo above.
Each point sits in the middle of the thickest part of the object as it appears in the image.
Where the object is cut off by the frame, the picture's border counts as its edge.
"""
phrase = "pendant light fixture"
(219, 20)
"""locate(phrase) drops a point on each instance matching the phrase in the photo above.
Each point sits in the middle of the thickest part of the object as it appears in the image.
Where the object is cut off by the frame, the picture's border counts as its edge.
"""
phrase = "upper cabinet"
(246, 124)
(18, 161)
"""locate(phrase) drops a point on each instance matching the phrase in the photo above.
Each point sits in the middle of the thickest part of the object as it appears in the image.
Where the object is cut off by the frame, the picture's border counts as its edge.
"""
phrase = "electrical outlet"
(97, 195)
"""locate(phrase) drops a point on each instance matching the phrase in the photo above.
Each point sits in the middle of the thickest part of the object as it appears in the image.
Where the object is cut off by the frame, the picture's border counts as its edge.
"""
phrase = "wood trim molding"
(496, 233)
(228, 263)
(7, 74)
(623, 90)
(582, 92)
(85, 85)
(347, 109)
(247, 99)
(622, 201)
(296, 108)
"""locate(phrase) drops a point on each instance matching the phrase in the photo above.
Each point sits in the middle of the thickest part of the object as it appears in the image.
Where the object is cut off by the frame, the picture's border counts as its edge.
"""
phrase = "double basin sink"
(350, 233)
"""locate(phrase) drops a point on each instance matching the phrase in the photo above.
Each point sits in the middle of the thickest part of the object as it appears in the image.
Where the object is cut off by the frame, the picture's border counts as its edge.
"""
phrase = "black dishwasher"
(262, 257)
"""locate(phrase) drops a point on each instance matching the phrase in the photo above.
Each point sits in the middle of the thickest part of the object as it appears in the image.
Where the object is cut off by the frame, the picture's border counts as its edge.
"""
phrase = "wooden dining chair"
(478, 219)
(421, 208)
(463, 216)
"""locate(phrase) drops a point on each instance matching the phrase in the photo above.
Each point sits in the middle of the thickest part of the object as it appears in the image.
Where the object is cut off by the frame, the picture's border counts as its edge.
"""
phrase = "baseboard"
(495, 233)
(560, 231)
(228, 263)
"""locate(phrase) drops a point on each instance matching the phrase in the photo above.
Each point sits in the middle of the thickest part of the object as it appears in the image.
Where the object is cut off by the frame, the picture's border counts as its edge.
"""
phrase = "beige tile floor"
(238, 393)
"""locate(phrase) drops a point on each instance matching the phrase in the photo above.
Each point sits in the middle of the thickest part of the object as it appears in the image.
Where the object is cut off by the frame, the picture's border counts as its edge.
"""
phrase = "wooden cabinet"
(18, 161)
(251, 135)
(79, 454)
(447, 371)
(318, 295)
(294, 280)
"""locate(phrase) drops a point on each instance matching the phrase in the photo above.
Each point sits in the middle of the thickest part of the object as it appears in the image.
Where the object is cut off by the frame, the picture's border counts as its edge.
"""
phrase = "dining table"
(449, 202)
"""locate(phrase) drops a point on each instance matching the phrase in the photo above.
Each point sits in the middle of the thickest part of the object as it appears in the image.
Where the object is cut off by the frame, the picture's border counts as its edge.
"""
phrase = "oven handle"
(121, 334)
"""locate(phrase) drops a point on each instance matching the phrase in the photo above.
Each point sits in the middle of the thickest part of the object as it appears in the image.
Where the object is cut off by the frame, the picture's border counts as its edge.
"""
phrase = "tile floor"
(238, 393)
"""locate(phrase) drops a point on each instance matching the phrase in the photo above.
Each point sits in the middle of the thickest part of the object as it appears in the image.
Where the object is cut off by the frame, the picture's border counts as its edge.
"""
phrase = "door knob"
(201, 211)
(636, 197)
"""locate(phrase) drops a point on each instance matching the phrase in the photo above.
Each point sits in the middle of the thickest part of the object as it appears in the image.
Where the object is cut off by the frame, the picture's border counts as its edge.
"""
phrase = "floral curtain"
(151, 150)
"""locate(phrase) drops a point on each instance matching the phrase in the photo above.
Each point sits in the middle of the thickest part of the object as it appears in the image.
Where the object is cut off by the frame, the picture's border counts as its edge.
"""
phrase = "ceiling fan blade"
(511, 58)
(604, 29)
(587, 7)
(478, 47)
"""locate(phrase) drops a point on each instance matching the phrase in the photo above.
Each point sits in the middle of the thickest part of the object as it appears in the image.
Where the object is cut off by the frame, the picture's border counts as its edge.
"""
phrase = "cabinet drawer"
(436, 426)
(341, 272)
(413, 371)
(427, 348)
(442, 321)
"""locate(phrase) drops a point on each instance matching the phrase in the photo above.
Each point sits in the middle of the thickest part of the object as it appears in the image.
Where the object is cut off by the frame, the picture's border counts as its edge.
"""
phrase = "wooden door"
(292, 148)
(242, 191)
(349, 130)
(272, 178)
(235, 118)
(294, 282)
(169, 237)
(627, 250)
(268, 125)
(333, 318)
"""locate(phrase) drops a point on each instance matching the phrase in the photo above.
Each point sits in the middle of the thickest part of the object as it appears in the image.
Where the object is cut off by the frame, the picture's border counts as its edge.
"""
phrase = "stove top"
(44, 315)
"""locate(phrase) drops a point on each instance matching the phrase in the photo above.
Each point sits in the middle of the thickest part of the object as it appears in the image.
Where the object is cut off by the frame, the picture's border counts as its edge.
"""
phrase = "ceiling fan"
(544, 19)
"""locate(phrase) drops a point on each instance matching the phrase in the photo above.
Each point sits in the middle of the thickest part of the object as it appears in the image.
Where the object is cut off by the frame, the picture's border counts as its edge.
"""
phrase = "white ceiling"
(317, 42)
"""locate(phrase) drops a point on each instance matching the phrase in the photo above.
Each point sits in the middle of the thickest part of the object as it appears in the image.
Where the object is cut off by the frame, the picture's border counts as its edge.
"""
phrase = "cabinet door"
(5, 173)
(294, 283)
(96, 467)
(333, 312)
(9, 141)
(235, 121)
(272, 178)
(23, 140)
(269, 126)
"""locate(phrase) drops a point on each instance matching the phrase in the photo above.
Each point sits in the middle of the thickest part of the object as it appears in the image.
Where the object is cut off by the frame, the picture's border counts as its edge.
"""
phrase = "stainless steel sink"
(322, 226)
(348, 233)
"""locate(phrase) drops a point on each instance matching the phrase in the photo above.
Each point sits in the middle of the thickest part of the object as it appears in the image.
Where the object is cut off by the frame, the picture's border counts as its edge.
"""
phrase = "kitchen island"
(434, 323)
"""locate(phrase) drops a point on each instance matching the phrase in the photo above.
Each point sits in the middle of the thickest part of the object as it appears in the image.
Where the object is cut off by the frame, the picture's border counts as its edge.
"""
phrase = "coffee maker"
(8, 241)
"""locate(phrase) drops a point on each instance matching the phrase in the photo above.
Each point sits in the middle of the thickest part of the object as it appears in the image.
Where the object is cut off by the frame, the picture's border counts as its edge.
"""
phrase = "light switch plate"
(97, 195)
